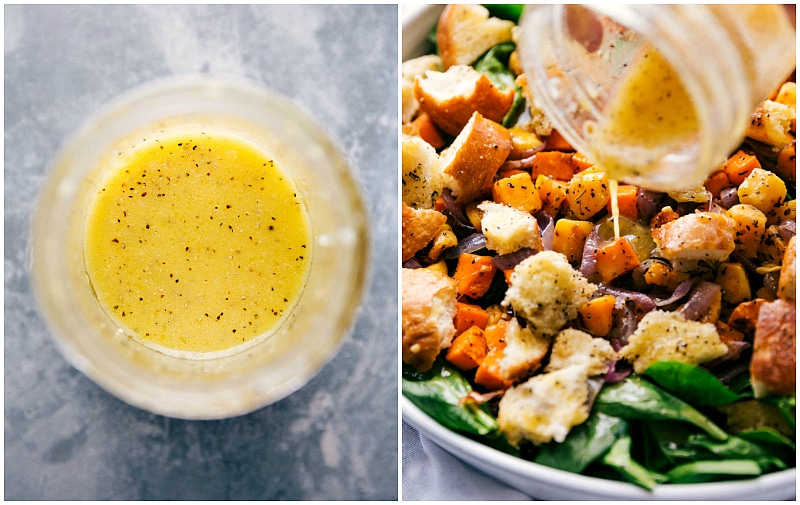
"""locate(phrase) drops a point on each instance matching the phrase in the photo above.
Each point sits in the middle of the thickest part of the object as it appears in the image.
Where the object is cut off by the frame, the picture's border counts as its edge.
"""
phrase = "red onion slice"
(412, 263)
(589, 259)
(470, 244)
(728, 197)
(700, 300)
(645, 303)
(788, 229)
(648, 203)
(455, 210)
(510, 260)
(547, 229)
(680, 291)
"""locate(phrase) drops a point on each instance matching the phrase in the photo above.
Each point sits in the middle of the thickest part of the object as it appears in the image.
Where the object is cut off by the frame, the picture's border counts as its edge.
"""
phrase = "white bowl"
(543, 482)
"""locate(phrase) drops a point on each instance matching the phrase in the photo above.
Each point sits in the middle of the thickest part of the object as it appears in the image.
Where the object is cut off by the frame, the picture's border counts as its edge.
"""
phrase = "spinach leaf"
(691, 383)
(443, 396)
(769, 437)
(495, 65)
(787, 406)
(666, 444)
(636, 398)
(511, 12)
(704, 471)
(584, 444)
(516, 110)
(619, 458)
(738, 448)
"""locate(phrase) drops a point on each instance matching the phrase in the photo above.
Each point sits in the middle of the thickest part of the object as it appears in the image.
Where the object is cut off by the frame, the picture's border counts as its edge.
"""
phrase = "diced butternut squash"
(616, 258)
(587, 193)
(661, 274)
(598, 314)
(745, 316)
(517, 191)
(474, 275)
(469, 315)
(552, 193)
(787, 162)
(522, 142)
(749, 228)
(732, 278)
(555, 164)
(569, 237)
(556, 142)
(489, 374)
(581, 162)
(762, 189)
(428, 131)
(468, 349)
(773, 246)
(626, 200)
(739, 166)
(716, 182)
(663, 217)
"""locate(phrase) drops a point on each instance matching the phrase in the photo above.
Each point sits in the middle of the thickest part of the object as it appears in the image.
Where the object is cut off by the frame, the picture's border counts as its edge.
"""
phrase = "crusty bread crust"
(773, 366)
(420, 226)
(450, 98)
(471, 161)
(465, 32)
(429, 306)
(700, 236)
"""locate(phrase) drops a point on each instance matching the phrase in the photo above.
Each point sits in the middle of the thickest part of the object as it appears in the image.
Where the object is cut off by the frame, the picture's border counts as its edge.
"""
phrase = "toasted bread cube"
(450, 98)
(465, 32)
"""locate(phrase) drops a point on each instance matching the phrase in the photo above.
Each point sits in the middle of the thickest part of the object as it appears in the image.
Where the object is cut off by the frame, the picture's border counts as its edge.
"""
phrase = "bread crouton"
(450, 98)
(410, 70)
(547, 291)
(465, 32)
(545, 407)
(469, 164)
(773, 367)
(668, 336)
(576, 347)
(419, 228)
(523, 353)
(787, 283)
(771, 123)
(508, 229)
(700, 236)
(429, 306)
(420, 172)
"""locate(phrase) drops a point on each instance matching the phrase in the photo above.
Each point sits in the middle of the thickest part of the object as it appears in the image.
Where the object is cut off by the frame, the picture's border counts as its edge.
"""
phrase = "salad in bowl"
(577, 325)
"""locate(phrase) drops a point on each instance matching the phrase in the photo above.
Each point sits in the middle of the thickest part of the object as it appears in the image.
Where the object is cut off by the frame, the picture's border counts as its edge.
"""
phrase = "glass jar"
(247, 377)
(728, 59)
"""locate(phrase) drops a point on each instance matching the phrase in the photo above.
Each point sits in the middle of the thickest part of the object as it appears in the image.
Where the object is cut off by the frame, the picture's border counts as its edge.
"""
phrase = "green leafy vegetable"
(511, 12)
(584, 444)
(443, 396)
(619, 458)
(691, 383)
(704, 471)
(495, 65)
(636, 398)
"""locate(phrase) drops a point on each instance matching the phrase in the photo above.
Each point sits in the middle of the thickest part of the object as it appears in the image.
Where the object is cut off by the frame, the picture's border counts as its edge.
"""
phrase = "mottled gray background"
(65, 438)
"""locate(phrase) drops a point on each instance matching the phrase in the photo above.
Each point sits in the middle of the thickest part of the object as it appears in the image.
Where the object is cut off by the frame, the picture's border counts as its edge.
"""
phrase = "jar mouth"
(579, 57)
(246, 377)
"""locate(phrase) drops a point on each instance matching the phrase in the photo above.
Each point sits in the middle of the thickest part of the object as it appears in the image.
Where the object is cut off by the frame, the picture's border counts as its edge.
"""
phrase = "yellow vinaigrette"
(649, 113)
(197, 242)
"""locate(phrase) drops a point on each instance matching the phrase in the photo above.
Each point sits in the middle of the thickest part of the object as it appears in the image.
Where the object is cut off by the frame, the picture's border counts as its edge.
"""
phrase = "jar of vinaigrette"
(657, 95)
(200, 247)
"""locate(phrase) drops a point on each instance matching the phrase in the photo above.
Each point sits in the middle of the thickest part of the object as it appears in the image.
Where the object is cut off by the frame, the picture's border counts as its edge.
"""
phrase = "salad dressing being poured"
(649, 112)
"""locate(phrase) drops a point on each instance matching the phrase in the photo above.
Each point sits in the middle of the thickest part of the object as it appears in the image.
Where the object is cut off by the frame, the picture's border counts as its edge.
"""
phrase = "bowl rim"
(454, 443)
